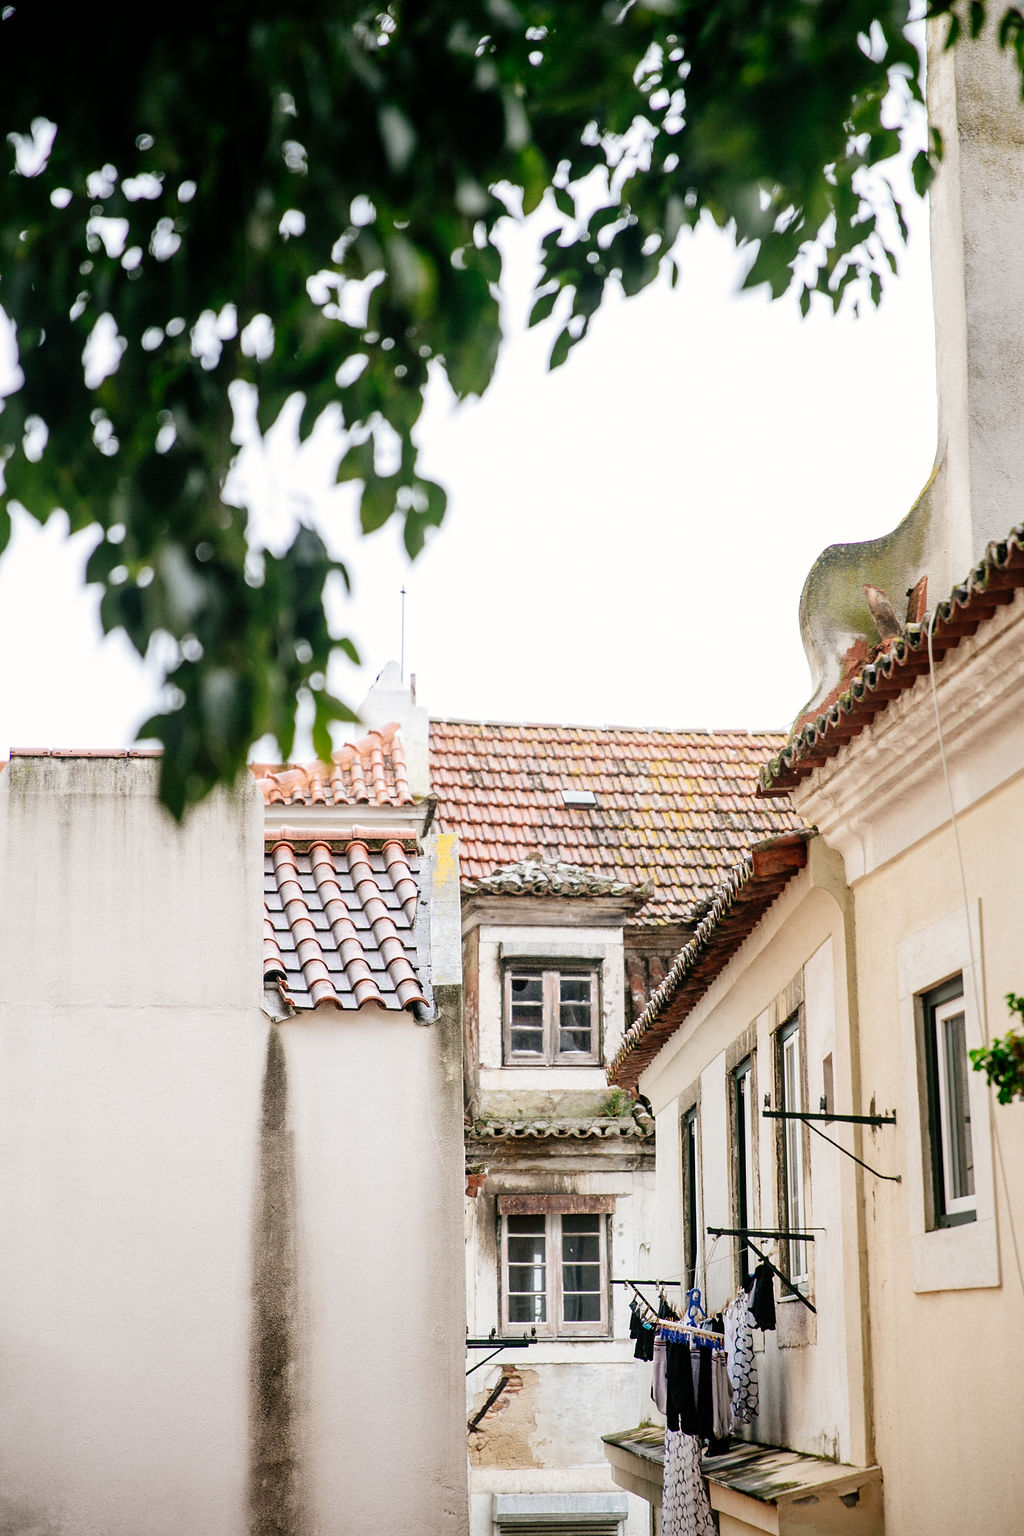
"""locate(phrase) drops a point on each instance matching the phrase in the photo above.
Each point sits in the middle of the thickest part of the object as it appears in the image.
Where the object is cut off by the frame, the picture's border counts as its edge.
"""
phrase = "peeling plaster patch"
(505, 1438)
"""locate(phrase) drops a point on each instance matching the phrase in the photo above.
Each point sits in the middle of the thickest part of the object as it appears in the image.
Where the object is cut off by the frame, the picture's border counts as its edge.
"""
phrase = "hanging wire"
(979, 1007)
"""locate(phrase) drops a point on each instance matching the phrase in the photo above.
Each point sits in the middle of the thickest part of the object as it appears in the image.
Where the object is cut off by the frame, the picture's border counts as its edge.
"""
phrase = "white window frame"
(551, 981)
(742, 1080)
(793, 1163)
(948, 1209)
(554, 1326)
(963, 1256)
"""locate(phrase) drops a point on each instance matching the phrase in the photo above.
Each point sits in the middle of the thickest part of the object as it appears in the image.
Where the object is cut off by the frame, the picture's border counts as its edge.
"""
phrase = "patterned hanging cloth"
(686, 1508)
(739, 1344)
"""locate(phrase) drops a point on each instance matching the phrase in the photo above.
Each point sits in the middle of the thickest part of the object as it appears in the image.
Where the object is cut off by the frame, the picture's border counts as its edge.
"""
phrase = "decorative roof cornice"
(636, 1127)
(993, 583)
(739, 906)
(553, 877)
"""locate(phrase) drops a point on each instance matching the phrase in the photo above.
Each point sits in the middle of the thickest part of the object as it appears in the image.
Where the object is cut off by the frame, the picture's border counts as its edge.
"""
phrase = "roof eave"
(743, 901)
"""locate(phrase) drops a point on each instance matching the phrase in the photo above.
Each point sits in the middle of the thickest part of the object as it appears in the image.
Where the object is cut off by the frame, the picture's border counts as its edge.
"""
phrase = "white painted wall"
(546, 1436)
(132, 1055)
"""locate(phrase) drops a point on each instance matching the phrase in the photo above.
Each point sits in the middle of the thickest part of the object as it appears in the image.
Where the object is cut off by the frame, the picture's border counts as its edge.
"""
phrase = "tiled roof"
(339, 924)
(676, 808)
(992, 584)
(739, 906)
(367, 772)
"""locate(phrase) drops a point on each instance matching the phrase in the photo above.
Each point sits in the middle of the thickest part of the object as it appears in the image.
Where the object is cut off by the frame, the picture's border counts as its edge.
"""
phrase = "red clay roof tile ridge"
(593, 728)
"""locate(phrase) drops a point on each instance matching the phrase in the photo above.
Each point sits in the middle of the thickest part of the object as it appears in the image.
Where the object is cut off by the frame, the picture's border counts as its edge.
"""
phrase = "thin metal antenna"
(402, 650)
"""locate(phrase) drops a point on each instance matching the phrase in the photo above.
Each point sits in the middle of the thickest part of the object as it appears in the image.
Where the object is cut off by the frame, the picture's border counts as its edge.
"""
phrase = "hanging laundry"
(686, 1508)
(762, 1296)
(721, 1395)
(739, 1345)
(641, 1328)
(659, 1386)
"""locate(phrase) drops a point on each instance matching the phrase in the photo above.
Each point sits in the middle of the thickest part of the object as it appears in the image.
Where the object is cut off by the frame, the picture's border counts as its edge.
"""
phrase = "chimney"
(391, 699)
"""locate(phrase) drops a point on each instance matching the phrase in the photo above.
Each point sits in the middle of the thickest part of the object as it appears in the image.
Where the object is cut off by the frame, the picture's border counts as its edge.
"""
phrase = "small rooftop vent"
(578, 797)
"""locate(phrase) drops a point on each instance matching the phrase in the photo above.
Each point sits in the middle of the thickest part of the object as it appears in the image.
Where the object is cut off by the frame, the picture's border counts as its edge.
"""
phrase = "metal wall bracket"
(808, 1118)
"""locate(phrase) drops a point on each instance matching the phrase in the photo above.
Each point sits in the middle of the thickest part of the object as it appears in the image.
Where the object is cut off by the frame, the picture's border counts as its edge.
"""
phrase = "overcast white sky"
(626, 539)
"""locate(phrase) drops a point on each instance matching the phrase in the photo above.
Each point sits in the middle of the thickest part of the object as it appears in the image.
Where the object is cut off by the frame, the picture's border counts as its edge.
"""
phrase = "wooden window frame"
(938, 1005)
(552, 1210)
(551, 974)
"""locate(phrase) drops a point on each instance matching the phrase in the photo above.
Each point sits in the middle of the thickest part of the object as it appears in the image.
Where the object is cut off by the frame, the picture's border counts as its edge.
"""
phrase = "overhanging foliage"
(303, 198)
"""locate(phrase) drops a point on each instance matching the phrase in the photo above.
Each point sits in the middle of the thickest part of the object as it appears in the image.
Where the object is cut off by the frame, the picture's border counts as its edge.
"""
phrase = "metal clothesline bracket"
(787, 1282)
(805, 1114)
(496, 1345)
(808, 1119)
(805, 1235)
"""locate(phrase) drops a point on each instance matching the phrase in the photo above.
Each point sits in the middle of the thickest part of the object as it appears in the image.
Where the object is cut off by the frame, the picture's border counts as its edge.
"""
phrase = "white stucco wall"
(131, 1057)
(135, 1139)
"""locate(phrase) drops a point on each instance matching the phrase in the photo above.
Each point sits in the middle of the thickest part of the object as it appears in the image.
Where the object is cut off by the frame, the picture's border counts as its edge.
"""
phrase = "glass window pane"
(526, 989)
(581, 1308)
(581, 1277)
(527, 1309)
(581, 1248)
(526, 1250)
(526, 1272)
(957, 1150)
(575, 989)
(526, 1042)
(793, 1148)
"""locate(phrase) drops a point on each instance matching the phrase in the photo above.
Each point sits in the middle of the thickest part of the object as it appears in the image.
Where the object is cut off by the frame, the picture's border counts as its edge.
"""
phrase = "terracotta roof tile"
(897, 665)
(339, 924)
(673, 807)
(367, 772)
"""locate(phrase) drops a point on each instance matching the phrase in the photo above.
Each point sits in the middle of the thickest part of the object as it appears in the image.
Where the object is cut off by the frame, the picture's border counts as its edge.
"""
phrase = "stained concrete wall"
(230, 1251)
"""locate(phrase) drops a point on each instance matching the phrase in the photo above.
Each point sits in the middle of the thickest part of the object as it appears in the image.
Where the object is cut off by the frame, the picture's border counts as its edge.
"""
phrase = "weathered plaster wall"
(132, 1053)
(231, 1254)
(544, 1435)
(378, 1123)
